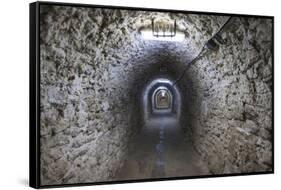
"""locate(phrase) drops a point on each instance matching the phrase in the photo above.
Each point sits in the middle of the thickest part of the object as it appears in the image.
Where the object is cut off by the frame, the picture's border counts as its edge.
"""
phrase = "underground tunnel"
(118, 103)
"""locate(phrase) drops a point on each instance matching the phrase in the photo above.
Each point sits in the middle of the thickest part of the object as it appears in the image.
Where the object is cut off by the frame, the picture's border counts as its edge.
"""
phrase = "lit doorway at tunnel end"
(161, 98)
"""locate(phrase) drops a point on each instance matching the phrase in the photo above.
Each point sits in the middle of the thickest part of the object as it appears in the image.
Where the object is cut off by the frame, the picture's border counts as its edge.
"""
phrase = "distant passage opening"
(162, 99)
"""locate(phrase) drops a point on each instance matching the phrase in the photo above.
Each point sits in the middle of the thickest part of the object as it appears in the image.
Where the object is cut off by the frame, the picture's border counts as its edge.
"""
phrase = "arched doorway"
(162, 99)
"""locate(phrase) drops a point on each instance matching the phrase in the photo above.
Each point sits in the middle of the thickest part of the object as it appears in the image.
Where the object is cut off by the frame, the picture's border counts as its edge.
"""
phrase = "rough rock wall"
(85, 104)
(231, 101)
(93, 67)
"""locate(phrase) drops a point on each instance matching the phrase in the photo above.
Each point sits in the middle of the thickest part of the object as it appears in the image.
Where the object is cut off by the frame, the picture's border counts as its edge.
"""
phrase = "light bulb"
(148, 35)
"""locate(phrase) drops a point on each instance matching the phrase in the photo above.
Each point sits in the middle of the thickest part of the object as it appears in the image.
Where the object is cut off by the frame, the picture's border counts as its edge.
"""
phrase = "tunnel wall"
(86, 101)
(93, 69)
(231, 100)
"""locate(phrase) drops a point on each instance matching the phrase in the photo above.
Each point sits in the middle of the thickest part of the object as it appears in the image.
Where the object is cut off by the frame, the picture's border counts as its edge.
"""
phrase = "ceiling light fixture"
(162, 31)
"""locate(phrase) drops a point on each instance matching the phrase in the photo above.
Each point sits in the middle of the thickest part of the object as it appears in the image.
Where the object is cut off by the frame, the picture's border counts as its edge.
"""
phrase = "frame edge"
(34, 94)
(34, 166)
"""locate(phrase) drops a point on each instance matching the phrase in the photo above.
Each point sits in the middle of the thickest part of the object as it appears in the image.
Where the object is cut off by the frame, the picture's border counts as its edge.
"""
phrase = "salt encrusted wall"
(86, 106)
(90, 75)
(231, 102)
(94, 66)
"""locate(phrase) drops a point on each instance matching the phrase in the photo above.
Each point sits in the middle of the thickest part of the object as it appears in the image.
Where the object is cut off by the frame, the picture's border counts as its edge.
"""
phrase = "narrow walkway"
(160, 151)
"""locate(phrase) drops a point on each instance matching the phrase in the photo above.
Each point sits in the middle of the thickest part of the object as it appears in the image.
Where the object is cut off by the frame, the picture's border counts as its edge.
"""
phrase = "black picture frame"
(34, 93)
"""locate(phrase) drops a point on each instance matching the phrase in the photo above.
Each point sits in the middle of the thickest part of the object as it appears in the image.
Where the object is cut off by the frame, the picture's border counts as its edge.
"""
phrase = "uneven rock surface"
(231, 101)
(94, 65)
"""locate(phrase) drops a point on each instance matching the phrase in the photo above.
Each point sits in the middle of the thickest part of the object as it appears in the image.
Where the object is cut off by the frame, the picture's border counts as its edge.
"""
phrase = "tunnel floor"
(160, 150)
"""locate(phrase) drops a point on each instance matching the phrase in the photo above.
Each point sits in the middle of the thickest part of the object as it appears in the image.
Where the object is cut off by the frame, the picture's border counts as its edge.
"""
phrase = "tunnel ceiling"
(89, 32)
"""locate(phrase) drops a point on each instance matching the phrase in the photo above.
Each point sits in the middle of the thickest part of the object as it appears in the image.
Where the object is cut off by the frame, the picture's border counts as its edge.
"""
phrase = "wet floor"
(160, 151)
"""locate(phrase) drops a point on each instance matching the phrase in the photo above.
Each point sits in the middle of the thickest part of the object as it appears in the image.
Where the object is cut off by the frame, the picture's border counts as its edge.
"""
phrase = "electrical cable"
(206, 44)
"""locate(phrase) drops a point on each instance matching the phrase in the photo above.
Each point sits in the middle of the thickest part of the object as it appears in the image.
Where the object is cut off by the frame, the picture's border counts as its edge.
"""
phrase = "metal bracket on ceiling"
(163, 29)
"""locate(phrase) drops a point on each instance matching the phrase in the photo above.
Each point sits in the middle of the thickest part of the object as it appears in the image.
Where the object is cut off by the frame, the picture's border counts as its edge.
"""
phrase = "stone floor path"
(160, 151)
